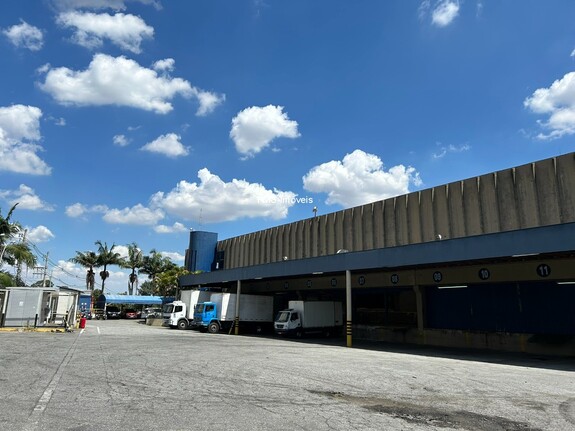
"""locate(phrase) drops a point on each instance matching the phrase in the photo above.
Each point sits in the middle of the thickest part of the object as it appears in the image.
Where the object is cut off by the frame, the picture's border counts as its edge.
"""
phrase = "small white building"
(38, 306)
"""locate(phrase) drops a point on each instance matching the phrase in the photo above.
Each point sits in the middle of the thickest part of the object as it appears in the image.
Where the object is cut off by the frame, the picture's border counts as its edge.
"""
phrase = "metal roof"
(548, 239)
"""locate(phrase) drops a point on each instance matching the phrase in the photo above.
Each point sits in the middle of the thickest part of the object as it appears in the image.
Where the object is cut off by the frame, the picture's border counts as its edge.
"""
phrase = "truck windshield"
(168, 308)
(199, 308)
(283, 316)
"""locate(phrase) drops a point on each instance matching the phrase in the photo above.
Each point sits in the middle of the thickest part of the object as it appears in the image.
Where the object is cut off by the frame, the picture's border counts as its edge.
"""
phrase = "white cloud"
(18, 124)
(26, 198)
(253, 129)
(423, 9)
(444, 149)
(119, 81)
(39, 234)
(479, 9)
(175, 228)
(100, 4)
(122, 250)
(173, 256)
(443, 14)
(124, 31)
(557, 101)
(214, 200)
(79, 210)
(21, 122)
(168, 145)
(164, 65)
(26, 36)
(59, 121)
(137, 215)
(208, 102)
(359, 179)
(76, 210)
(121, 140)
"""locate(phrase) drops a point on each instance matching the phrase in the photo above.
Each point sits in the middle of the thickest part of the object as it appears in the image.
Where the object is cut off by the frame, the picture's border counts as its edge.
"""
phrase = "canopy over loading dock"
(486, 262)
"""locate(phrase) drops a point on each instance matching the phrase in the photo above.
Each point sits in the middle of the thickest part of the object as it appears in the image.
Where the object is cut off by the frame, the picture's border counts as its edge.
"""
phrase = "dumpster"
(82, 322)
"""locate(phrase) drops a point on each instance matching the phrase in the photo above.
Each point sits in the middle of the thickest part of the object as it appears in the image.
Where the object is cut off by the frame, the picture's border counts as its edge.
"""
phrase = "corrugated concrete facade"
(537, 194)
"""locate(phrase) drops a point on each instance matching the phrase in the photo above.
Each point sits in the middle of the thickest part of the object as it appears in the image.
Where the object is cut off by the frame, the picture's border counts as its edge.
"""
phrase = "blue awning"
(133, 299)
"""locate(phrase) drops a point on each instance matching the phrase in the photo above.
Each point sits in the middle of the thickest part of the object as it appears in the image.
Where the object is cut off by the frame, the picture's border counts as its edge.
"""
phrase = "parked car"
(151, 312)
(130, 313)
(113, 312)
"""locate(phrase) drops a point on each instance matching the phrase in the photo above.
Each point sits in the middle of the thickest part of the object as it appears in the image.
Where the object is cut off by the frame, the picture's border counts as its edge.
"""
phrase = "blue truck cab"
(255, 312)
(206, 317)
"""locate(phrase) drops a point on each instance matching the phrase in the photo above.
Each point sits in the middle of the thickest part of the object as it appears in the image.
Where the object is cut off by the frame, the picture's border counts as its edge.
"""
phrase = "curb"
(21, 329)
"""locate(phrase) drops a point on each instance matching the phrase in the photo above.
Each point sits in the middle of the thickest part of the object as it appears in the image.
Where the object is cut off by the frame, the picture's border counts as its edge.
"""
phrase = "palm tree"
(89, 260)
(155, 264)
(7, 228)
(168, 281)
(134, 261)
(106, 256)
(14, 252)
(7, 231)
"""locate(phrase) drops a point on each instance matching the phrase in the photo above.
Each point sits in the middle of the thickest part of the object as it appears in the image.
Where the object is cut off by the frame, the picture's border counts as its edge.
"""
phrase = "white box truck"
(255, 313)
(308, 317)
(180, 314)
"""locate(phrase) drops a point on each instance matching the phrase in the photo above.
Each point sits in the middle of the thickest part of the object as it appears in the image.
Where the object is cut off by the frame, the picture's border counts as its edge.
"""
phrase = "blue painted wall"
(201, 252)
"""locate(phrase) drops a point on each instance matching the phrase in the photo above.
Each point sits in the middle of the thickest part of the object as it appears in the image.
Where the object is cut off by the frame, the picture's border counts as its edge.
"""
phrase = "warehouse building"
(486, 262)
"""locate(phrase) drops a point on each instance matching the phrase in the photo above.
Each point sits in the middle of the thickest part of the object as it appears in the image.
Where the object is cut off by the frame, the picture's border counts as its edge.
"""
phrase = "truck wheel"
(182, 324)
(299, 333)
(214, 328)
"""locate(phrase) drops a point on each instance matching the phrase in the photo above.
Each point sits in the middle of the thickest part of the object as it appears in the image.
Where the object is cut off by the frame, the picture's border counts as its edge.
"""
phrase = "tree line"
(162, 273)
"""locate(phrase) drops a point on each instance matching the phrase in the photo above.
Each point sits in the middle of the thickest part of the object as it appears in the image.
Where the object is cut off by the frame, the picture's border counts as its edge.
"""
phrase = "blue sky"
(137, 120)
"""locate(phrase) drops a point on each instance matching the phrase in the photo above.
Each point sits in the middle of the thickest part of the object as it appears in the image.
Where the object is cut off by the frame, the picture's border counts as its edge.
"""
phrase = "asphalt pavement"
(124, 375)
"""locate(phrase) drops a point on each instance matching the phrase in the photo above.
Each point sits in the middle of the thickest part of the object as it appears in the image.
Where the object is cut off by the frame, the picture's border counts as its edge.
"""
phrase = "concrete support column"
(237, 319)
(419, 306)
(348, 331)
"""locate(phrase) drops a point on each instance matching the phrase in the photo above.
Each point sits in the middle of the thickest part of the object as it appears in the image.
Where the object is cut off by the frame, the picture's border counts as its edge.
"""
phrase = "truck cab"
(288, 322)
(206, 317)
(174, 314)
(309, 317)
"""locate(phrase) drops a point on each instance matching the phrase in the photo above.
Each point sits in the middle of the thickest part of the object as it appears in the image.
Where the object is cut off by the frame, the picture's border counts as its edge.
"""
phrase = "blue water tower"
(201, 254)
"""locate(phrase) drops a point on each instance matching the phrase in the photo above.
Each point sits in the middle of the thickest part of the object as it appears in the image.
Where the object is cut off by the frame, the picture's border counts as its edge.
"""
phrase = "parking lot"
(124, 375)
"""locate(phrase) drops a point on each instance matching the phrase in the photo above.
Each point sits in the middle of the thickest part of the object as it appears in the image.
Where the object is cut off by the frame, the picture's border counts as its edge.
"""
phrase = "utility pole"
(45, 269)
(42, 271)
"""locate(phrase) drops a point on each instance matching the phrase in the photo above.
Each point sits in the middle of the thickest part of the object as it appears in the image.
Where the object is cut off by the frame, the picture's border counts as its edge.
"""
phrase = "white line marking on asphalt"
(34, 417)
(98, 328)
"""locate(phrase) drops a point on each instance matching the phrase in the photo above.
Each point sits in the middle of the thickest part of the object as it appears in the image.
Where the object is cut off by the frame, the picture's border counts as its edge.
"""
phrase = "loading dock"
(501, 278)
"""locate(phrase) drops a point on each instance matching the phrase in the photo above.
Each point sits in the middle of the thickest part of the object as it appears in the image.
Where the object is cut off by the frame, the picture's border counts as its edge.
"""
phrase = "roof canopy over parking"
(133, 299)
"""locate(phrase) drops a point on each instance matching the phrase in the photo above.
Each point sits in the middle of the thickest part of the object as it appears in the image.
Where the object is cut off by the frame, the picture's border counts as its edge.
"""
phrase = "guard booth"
(27, 306)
